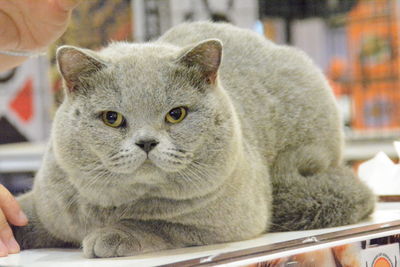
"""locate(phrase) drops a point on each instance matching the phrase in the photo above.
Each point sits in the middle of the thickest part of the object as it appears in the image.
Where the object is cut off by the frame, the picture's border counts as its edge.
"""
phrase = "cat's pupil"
(111, 117)
(176, 113)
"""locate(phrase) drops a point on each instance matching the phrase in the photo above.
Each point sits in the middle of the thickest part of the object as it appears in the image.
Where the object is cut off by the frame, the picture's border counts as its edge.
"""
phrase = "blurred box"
(376, 105)
(373, 41)
(373, 29)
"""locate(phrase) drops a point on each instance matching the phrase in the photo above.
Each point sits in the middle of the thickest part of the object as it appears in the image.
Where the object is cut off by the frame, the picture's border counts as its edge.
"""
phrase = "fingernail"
(12, 246)
(22, 217)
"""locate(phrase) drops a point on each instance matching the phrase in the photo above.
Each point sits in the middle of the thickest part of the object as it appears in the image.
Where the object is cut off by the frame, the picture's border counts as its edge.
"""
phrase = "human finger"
(3, 249)
(6, 237)
(11, 208)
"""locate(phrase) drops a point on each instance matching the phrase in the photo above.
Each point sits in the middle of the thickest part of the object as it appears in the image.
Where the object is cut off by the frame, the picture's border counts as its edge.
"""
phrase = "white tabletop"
(74, 257)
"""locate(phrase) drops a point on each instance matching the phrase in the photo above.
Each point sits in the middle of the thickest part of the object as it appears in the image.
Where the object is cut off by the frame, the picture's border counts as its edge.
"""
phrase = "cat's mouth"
(167, 163)
(149, 162)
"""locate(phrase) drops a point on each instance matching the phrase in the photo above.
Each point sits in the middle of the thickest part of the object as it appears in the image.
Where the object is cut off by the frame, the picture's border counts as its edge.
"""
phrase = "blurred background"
(355, 43)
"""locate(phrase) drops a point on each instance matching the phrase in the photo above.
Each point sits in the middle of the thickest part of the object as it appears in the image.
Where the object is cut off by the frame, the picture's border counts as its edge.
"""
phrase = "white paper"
(381, 174)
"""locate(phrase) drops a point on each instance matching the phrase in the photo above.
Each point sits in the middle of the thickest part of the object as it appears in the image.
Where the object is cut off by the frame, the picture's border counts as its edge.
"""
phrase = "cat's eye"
(113, 119)
(176, 115)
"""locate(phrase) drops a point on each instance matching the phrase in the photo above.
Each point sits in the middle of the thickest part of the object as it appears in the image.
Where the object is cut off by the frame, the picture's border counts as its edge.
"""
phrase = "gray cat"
(209, 134)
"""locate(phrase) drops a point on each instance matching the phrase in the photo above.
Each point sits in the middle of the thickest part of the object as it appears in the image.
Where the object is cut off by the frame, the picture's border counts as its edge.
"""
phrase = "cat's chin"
(145, 166)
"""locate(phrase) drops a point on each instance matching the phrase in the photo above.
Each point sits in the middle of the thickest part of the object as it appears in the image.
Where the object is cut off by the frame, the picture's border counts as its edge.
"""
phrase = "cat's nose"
(147, 145)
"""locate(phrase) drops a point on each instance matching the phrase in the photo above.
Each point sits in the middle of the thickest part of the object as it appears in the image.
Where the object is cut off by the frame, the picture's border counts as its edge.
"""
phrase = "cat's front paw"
(110, 242)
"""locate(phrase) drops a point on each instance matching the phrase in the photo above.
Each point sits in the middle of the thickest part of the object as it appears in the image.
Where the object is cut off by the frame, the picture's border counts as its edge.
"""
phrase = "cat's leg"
(310, 190)
(34, 235)
(129, 238)
(125, 238)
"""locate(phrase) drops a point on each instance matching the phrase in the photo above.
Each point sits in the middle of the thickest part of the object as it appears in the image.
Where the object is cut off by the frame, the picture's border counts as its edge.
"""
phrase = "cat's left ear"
(205, 57)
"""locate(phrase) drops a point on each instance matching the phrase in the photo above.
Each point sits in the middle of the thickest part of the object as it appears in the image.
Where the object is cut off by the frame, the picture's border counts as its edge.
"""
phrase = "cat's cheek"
(188, 135)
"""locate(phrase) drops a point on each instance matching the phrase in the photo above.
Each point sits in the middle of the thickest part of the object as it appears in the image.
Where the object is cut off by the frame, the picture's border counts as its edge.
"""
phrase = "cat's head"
(147, 114)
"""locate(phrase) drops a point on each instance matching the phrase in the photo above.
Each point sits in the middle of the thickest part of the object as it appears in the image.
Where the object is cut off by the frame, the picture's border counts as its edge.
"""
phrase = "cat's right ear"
(205, 57)
(75, 63)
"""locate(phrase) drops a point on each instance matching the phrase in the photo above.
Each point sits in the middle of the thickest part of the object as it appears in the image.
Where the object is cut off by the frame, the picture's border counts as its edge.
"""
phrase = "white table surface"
(73, 257)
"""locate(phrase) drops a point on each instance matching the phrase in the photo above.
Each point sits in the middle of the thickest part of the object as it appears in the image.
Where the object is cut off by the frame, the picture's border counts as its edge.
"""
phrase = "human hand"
(32, 25)
(10, 212)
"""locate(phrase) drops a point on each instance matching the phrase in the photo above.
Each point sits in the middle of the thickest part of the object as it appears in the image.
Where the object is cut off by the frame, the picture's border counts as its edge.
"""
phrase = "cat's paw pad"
(105, 243)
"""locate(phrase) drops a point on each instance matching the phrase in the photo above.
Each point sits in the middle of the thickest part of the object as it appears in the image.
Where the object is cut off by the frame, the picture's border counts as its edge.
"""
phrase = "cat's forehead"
(140, 65)
(139, 76)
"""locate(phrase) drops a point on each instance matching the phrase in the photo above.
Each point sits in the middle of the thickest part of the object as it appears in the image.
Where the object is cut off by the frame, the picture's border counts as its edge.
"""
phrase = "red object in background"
(22, 104)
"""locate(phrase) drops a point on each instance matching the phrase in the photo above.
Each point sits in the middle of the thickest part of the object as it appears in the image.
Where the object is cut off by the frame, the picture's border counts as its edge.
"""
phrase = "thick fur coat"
(260, 147)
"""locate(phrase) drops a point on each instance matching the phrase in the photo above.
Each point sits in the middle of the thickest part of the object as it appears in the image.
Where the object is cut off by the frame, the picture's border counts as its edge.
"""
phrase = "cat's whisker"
(124, 211)
(203, 167)
(119, 156)
(174, 155)
(199, 175)
(94, 179)
(115, 153)
(189, 178)
(177, 149)
(92, 167)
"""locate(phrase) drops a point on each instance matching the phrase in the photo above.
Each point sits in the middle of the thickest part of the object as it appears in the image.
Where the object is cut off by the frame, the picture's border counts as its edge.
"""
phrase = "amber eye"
(113, 119)
(176, 115)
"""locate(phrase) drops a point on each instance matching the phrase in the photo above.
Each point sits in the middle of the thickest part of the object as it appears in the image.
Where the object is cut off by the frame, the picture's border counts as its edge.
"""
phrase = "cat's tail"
(330, 197)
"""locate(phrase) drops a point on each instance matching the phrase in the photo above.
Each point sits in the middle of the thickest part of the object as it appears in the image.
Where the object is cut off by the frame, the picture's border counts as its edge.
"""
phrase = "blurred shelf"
(372, 135)
(362, 145)
(21, 157)
(363, 150)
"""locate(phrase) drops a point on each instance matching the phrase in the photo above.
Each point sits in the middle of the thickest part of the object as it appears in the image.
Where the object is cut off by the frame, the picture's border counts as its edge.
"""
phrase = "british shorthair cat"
(209, 134)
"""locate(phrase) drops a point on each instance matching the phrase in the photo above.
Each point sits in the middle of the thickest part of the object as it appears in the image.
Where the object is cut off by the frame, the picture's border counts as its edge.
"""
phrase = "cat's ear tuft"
(74, 63)
(206, 57)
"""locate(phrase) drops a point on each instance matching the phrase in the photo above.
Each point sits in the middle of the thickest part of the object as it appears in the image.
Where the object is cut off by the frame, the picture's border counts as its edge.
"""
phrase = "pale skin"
(31, 25)
(26, 25)
(10, 212)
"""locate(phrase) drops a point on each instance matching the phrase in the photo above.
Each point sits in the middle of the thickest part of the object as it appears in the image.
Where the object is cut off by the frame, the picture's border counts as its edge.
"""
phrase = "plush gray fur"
(259, 150)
